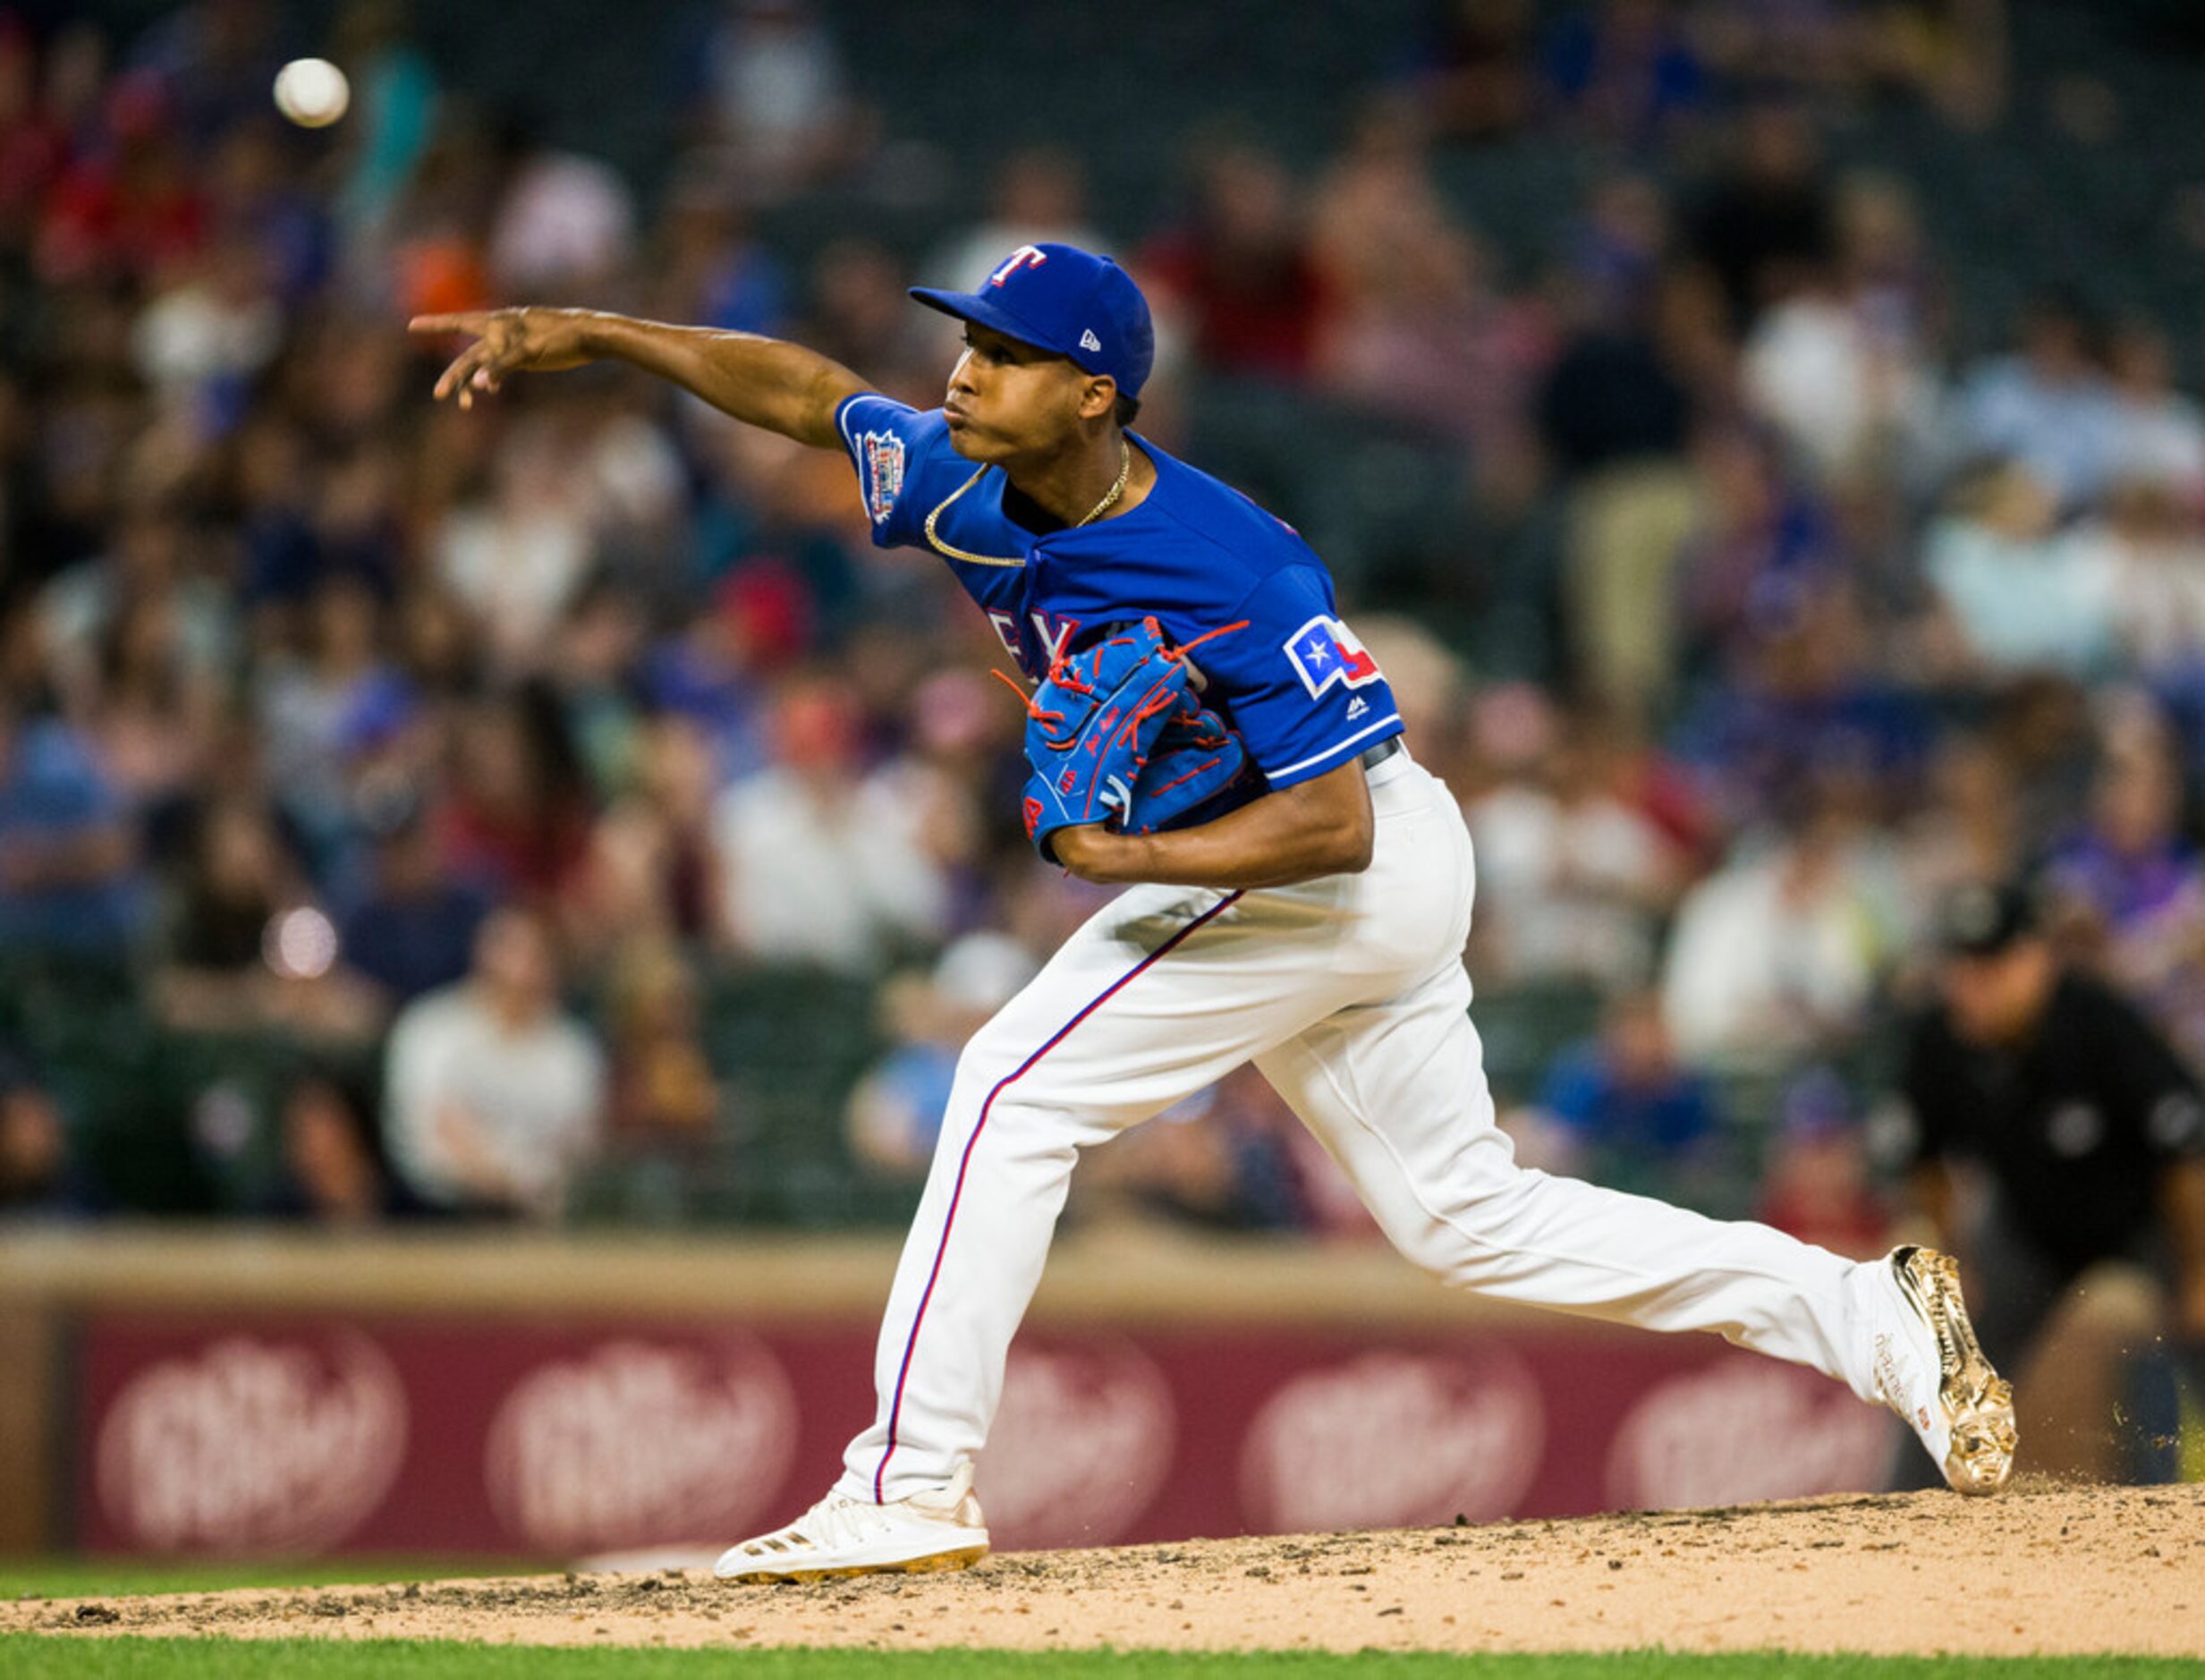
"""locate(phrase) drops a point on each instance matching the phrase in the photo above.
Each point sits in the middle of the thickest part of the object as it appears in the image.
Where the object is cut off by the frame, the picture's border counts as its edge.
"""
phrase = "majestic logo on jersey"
(1024, 256)
(1325, 651)
(883, 453)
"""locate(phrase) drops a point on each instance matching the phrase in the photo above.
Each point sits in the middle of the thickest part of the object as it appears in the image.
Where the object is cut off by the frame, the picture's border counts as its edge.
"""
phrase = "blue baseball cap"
(1066, 301)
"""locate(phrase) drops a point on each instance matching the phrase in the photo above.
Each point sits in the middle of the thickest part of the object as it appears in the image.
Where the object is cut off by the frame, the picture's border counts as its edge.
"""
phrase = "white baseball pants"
(1349, 994)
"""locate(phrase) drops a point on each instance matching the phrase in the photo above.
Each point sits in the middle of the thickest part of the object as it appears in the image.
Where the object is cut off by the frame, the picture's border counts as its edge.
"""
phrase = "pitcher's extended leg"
(1396, 1091)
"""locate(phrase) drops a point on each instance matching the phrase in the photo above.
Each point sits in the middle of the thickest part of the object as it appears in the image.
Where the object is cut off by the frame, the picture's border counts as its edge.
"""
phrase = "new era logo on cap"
(1088, 341)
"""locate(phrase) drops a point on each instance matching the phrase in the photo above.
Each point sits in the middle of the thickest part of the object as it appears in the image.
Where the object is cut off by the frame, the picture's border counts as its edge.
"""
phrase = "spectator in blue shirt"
(414, 930)
(70, 879)
(1625, 1100)
(1625, 69)
(895, 1113)
(2049, 405)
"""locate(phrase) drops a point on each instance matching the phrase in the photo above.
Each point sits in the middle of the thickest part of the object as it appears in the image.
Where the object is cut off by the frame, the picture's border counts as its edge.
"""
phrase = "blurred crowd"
(470, 750)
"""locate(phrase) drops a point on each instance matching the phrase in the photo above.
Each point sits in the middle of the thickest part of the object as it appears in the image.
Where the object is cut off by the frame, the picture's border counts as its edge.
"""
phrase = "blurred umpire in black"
(2089, 1133)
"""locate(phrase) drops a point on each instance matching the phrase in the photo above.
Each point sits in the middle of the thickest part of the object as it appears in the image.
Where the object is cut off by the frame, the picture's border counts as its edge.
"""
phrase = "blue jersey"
(1195, 554)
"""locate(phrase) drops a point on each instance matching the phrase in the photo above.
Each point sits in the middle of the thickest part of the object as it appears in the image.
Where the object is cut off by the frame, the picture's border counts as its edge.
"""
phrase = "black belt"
(1384, 750)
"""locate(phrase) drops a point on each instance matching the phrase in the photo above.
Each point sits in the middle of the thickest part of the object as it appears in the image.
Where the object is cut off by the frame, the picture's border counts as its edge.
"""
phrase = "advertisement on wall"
(304, 1436)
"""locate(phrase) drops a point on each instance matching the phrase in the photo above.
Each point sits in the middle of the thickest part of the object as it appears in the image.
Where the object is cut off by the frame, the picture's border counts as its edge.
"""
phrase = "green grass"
(95, 1577)
(34, 1657)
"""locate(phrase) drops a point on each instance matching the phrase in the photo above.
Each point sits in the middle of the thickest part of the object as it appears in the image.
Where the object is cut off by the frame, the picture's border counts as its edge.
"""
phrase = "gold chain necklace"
(934, 538)
(1126, 471)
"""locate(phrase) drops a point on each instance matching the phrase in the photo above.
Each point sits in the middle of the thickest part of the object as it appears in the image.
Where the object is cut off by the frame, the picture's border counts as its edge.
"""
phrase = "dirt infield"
(2042, 1569)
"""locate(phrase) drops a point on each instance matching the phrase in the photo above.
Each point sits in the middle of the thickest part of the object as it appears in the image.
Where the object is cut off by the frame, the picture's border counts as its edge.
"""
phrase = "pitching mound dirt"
(2040, 1569)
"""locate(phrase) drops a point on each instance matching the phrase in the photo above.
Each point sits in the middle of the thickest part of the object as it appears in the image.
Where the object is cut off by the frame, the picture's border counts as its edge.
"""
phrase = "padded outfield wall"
(511, 1395)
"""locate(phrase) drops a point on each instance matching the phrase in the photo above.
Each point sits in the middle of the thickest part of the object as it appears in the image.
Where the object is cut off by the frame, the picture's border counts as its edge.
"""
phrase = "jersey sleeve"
(1303, 692)
(895, 449)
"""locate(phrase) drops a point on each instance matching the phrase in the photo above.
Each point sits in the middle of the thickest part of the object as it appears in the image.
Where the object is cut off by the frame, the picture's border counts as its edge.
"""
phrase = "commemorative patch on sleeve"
(883, 455)
(1325, 651)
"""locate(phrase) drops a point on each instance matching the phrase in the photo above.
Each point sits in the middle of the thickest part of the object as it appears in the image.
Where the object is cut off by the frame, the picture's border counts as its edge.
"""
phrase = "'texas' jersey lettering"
(1053, 636)
(1297, 684)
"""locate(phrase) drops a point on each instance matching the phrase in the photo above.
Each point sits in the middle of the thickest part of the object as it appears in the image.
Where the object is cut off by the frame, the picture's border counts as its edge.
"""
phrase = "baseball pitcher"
(1208, 732)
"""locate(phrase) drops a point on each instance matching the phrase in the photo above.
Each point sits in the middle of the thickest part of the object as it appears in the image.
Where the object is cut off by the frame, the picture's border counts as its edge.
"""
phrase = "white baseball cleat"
(1931, 1370)
(843, 1536)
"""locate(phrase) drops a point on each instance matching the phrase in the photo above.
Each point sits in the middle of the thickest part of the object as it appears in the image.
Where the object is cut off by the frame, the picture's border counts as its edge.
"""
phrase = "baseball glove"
(1195, 759)
(1094, 724)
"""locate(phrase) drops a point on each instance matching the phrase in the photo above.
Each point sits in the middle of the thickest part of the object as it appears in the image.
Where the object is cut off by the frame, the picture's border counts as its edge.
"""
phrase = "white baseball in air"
(312, 92)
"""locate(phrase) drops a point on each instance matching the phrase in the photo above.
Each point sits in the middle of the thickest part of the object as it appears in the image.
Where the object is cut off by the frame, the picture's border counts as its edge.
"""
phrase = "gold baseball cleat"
(1966, 1419)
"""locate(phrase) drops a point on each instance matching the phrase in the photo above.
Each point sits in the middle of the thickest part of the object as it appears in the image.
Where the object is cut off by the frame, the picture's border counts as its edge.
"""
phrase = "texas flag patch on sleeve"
(883, 455)
(1325, 651)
